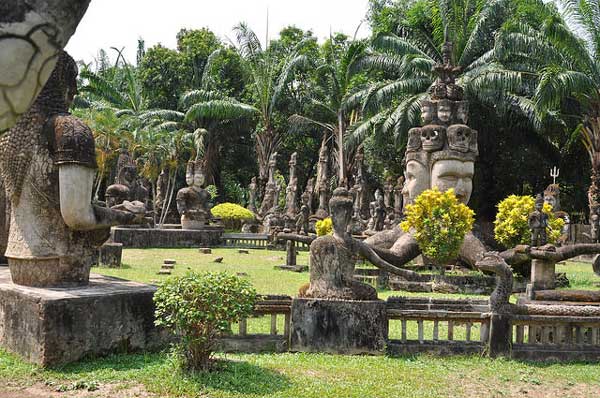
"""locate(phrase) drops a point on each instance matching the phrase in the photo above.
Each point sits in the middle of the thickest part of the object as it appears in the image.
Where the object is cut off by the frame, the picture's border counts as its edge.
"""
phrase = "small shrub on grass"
(199, 308)
(232, 215)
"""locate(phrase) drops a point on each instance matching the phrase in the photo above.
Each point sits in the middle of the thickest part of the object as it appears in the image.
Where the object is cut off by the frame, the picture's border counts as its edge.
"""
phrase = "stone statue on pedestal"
(48, 165)
(388, 190)
(271, 198)
(322, 187)
(538, 222)
(162, 184)
(193, 202)
(399, 197)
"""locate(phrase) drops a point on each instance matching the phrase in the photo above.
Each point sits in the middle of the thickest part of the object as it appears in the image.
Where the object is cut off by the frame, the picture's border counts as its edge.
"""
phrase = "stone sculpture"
(193, 202)
(31, 35)
(538, 222)
(291, 207)
(302, 222)
(332, 258)
(388, 191)
(271, 198)
(162, 189)
(439, 154)
(552, 197)
(308, 195)
(252, 188)
(595, 224)
(322, 187)
(127, 175)
(48, 165)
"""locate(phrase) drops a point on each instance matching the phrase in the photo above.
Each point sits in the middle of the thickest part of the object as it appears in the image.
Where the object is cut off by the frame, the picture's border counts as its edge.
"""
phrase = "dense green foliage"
(511, 226)
(439, 223)
(529, 69)
(201, 307)
(232, 215)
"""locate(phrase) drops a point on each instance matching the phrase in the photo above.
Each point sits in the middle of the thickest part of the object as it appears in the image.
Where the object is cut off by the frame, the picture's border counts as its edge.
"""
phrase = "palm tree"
(334, 113)
(206, 116)
(561, 61)
(406, 60)
(269, 78)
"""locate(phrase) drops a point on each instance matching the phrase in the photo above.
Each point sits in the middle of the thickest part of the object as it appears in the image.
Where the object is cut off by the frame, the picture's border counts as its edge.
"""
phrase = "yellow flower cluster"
(511, 226)
(439, 223)
(324, 227)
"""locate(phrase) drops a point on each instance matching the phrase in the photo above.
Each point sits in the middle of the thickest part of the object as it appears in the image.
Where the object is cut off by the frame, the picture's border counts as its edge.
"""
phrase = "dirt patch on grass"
(42, 390)
(538, 389)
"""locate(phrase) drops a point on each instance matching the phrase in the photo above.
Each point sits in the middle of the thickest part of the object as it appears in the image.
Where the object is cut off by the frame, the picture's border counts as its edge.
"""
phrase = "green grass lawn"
(294, 375)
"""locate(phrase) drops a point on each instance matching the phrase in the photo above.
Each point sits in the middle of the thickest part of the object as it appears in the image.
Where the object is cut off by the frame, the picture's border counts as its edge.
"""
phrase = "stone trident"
(554, 173)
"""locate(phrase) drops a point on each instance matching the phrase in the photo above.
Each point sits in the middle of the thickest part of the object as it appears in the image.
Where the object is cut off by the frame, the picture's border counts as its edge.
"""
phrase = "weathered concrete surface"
(338, 326)
(110, 255)
(167, 238)
(61, 325)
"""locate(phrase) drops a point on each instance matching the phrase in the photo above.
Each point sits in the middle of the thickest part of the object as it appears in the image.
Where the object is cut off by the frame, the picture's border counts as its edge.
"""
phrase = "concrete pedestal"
(208, 236)
(61, 325)
(542, 275)
(338, 326)
(110, 255)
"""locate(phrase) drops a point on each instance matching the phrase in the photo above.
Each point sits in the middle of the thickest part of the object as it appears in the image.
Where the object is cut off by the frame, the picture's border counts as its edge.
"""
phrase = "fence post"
(500, 339)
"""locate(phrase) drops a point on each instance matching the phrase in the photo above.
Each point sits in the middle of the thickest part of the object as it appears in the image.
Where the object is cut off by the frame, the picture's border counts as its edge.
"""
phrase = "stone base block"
(293, 268)
(61, 325)
(110, 255)
(167, 238)
(338, 326)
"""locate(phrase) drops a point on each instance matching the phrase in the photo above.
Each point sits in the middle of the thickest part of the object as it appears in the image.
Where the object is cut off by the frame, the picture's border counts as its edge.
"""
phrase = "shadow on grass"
(234, 377)
(160, 373)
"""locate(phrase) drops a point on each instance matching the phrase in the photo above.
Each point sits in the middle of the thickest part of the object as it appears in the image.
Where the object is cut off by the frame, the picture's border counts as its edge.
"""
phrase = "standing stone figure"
(399, 197)
(252, 195)
(302, 220)
(388, 190)
(538, 222)
(48, 164)
(552, 197)
(162, 184)
(270, 198)
(322, 187)
(595, 224)
(193, 202)
(379, 212)
(309, 193)
(291, 207)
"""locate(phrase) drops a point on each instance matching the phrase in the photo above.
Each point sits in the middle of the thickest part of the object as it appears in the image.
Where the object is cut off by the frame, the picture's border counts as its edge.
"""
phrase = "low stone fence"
(255, 241)
(275, 309)
(558, 338)
(438, 327)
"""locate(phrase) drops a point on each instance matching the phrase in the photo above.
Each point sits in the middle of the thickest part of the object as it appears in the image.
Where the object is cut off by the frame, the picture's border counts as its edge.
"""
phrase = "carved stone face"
(417, 180)
(460, 137)
(432, 138)
(456, 174)
(444, 111)
(414, 139)
(428, 110)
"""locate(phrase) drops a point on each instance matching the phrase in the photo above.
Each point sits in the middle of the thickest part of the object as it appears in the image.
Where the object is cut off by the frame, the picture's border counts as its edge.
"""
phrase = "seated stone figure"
(333, 257)
(48, 165)
(193, 201)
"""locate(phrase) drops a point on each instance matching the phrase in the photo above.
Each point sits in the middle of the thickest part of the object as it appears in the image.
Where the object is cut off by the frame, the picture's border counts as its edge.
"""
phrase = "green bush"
(439, 223)
(511, 227)
(232, 215)
(199, 308)
(324, 227)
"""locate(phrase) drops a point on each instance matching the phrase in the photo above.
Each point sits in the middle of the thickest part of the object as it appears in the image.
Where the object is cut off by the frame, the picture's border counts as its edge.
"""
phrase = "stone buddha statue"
(48, 165)
(193, 201)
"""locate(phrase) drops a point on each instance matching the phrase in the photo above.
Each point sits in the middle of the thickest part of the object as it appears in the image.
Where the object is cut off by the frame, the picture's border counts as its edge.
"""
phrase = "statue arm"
(76, 185)
(371, 255)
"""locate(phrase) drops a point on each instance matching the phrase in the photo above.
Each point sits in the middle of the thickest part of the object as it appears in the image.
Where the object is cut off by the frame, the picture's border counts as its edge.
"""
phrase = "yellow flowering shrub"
(511, 226)
(439, 223)
(232, 215)
(324, 227)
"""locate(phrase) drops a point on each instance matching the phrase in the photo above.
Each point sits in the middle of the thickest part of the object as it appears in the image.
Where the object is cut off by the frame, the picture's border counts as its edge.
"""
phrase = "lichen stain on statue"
(332, 257)
(193, 202)
(31, 34)
(48, 165)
